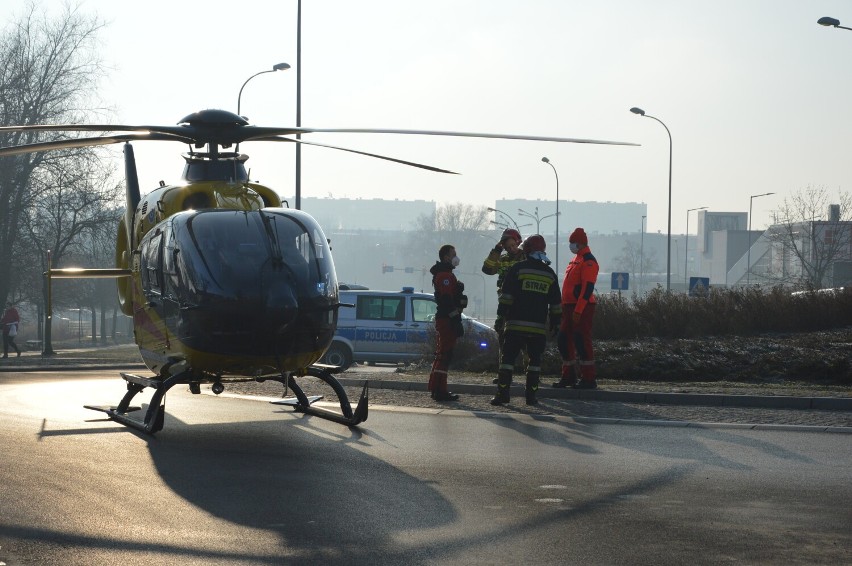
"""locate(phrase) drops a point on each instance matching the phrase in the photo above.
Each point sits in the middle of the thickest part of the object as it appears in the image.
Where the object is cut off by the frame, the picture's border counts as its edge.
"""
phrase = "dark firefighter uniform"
(449, 295)
(498, 263)
(578, 311)
(530, 304)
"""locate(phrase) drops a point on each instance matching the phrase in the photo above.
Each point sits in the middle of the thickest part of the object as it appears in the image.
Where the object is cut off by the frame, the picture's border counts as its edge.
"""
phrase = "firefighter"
(578, 311)
(531, 306)
(449, 295)
(505, 254)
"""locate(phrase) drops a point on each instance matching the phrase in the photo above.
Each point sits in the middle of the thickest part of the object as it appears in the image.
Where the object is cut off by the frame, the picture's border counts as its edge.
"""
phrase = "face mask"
(455, 261)
(574, 247)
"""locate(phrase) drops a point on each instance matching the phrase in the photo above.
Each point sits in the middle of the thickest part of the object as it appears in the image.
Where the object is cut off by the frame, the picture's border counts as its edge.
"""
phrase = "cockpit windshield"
(241, 254)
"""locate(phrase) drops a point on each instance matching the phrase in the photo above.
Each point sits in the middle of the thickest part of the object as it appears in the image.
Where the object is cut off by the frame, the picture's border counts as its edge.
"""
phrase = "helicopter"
(223, 282)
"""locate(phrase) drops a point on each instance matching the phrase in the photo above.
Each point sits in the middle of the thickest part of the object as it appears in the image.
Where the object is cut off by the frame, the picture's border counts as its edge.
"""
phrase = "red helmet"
(534, 243)
(511, 233)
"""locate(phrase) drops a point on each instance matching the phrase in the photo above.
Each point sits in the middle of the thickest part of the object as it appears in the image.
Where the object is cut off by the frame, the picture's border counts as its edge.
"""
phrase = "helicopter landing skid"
(303, 404)
(155, 415)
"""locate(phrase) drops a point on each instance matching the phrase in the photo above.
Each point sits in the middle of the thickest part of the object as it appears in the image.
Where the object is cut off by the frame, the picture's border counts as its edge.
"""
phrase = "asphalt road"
(239, 481)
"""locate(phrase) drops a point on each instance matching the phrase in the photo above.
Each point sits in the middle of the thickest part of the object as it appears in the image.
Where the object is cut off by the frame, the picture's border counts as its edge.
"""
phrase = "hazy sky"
(755, 93)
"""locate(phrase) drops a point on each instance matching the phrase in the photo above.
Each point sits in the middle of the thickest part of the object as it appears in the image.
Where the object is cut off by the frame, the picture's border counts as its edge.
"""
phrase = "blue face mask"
(574, 247)
(540, 256)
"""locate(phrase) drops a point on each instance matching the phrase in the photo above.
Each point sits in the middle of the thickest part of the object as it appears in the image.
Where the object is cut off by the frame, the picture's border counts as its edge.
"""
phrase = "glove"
(463, 302)
(458, 327)
(575, 317)
(554, 327)
(498, 249)
(499, 325)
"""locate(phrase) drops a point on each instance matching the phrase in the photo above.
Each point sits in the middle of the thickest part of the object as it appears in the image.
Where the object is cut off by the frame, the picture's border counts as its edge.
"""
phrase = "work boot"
(585, 384)
(501, 398)
(531, 398)
(565, 382)
(445, 396)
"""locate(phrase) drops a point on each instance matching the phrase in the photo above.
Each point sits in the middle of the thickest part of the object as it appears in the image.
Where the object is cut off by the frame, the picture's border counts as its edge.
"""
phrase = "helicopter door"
(149, 319)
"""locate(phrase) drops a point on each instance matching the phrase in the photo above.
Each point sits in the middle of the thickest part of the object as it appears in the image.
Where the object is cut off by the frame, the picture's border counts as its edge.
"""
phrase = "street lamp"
(831, 22)
(298, 104)
(535, 217)
(642, 256)
(512, 220)
(748, 261)
(546, 160)
(686, 247)
(276, 67)
(641, 112)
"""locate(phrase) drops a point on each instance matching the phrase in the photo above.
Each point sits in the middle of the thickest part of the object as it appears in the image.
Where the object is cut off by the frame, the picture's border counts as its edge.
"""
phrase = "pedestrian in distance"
(530, 303)
(505, 254)
(451, 300)
(578, 311)
(10, 321)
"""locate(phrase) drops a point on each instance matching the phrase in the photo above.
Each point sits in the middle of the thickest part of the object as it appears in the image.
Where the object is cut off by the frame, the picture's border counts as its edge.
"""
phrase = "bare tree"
(465, 227)
(49, 68)
(635, 262)
(811, 238)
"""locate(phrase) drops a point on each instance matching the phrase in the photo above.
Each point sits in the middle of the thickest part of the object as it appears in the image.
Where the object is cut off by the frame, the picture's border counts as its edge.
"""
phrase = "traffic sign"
(620, 281)
(699, 286)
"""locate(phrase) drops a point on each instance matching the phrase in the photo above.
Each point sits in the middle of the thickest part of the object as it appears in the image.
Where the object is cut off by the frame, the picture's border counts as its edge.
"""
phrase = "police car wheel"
(338, 355)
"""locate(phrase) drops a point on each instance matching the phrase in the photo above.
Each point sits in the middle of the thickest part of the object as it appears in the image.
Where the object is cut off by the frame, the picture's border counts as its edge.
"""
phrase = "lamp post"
(546, 160)
(276, 67)
(642, 256)
(298, 104)
(535, 217)
(641, 112)
(748, 261)
(831, 22)
(686, 247)
(512, 220)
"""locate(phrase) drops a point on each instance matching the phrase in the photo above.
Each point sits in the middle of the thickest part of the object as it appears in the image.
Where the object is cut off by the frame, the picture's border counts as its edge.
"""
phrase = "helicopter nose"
(282, 306)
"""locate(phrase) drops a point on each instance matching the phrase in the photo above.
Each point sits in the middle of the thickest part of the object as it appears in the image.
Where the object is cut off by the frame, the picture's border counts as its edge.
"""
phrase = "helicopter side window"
(152, 271)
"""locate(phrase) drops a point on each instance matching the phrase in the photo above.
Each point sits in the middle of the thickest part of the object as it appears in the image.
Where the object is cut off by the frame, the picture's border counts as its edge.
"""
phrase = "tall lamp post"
(641, 112)
(642, 256)
(298, 104)
(276, 67)
(512, 220)
(831, 22)
(535, 217)
(748, 261)
(546, 160)
(686, 247)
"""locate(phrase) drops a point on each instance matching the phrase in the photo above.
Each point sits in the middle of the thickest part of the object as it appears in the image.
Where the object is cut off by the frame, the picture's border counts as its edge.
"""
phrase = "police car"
(393, 326)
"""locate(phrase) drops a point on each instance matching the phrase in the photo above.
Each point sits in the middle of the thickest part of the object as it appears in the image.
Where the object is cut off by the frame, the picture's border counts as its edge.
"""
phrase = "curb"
(647, 397)
(650, 398)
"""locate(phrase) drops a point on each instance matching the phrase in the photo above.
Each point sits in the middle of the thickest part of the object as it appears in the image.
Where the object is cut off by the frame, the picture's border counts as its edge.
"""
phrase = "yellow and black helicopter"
(223, 283)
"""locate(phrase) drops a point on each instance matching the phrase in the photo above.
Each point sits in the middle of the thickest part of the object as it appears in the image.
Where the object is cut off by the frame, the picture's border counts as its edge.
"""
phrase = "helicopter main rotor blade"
(89, 142)
(386, 158)
(462, 134)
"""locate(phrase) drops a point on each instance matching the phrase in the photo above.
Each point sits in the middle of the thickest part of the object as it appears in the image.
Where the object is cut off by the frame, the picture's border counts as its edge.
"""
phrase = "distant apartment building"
(335, 214)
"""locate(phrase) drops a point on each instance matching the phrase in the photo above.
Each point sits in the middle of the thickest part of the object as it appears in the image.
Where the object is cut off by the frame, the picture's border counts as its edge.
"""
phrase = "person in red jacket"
(449, 294)
(10, 323)
(578, 311)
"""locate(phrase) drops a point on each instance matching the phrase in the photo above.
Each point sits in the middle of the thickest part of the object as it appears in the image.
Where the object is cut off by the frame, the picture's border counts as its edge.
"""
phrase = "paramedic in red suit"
(578, 311)
(449, 294)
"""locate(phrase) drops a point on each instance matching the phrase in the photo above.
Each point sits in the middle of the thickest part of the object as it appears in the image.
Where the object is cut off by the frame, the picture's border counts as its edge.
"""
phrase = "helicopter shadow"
(326, 501)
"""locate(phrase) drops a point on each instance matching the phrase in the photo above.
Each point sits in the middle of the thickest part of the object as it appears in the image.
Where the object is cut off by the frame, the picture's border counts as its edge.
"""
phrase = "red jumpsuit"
(578, 297)
(448, 325)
